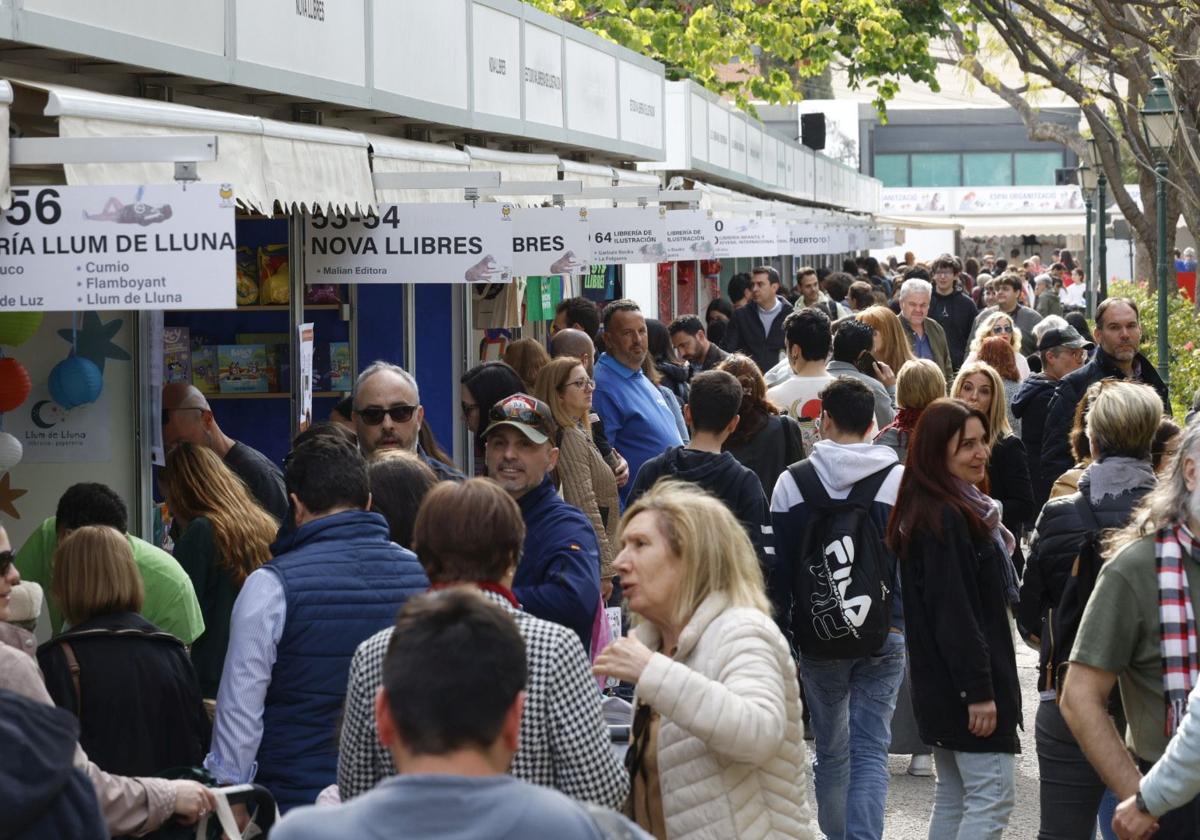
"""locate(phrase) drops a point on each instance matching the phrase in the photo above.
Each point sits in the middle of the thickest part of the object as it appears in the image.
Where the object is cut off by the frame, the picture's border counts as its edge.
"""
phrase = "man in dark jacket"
(690, 340)
(952, 308)
(1061, 351)
(558, 578)
(333, 581)
(712, 414)
(757, 328)
(1118, 332)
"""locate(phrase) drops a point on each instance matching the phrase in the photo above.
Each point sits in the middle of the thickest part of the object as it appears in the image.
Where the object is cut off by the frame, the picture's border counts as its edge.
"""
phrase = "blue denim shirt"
(637, 419)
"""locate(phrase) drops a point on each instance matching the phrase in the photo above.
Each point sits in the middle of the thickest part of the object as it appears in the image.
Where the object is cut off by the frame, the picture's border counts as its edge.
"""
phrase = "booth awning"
(1046, 224)
(592, 176)
(6, 98)
(266, 161)
(390, 154)
(516, 166)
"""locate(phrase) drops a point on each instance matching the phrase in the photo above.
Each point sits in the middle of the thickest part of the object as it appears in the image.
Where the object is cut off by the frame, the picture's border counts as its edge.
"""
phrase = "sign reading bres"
(412, 243)
(691, 235)
(623, 235)
(550, 240)
(751, 236)
(149, 247)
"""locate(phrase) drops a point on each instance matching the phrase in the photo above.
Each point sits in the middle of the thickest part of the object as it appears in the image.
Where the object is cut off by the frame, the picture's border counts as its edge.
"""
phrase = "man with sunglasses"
(187, 416)
(388, 415)
(558, 577)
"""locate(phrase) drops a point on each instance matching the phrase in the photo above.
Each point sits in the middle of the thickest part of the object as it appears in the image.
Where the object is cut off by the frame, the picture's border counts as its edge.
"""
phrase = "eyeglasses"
(1000, 329)
(636, 754)
(6, 561)
(374, 416)
(587, 384)
(166, 413)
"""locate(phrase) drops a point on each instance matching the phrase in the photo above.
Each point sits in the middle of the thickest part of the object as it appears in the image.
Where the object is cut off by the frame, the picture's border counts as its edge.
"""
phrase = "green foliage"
(1183, 334)
(879, 42)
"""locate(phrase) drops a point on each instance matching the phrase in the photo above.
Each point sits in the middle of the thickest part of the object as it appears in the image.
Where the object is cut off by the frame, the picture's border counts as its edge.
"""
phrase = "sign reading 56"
(44, 207)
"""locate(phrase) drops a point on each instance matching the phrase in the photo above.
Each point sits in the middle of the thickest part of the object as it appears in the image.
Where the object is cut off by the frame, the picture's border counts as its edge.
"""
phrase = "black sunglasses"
(6, 561)
(636, 754)
(374, 416)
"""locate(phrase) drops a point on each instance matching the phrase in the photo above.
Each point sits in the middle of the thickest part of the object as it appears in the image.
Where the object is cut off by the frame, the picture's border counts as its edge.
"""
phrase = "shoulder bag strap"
(73, 667)
(1086, 514)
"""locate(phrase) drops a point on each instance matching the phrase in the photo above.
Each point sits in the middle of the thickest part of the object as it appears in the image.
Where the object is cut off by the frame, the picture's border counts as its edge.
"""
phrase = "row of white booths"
(128, 217)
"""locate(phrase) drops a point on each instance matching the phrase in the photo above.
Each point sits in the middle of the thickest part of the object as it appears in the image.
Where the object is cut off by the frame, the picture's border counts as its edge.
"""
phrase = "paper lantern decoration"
(75, 381)
(14, 384)
(10, 452)
(18, 327)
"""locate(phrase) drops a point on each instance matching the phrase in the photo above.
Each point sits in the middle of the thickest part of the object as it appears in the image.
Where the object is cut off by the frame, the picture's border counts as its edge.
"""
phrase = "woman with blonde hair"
(998, 352)
(527, 357)
(919, 382)
(891, 344)
(999, 325)
(587, 481)
(718, 744)
(224, 536)
(980, 386)
(129, 683)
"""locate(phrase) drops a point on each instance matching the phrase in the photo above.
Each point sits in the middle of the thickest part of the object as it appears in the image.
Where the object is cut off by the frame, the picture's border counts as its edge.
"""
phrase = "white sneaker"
(921, 765)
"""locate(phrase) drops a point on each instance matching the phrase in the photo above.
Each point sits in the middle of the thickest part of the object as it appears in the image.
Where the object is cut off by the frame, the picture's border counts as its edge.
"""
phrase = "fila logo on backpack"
(843, 600)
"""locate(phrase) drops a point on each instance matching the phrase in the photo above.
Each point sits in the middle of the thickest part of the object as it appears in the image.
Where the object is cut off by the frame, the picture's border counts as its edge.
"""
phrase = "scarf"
(485, 585)
(906, 419)
(1116, 475)
(988, 509)
(1176, 620)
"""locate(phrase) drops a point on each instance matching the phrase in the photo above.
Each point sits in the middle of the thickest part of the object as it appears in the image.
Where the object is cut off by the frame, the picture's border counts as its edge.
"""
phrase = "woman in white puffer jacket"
(718, 748)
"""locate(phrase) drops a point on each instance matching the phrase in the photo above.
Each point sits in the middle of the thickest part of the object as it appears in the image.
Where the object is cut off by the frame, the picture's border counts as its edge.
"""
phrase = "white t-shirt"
(797, 398)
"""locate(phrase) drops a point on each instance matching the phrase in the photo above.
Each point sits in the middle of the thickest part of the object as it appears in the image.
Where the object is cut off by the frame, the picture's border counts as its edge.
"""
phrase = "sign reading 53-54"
(135, 247)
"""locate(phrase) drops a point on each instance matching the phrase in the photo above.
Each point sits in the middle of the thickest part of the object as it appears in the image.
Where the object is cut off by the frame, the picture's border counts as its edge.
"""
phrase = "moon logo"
(55, 412)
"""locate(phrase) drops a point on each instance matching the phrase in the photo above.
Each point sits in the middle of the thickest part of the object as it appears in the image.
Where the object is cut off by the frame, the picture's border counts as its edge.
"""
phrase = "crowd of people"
(829, 511)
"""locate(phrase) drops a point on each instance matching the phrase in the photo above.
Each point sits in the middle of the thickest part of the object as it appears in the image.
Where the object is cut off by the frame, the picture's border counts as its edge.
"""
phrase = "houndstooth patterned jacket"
(564, 741)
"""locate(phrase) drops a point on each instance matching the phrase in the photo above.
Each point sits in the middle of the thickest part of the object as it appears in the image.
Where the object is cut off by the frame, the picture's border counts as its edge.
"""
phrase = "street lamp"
(1097, 166)
(1088, 180)
(1159, 120)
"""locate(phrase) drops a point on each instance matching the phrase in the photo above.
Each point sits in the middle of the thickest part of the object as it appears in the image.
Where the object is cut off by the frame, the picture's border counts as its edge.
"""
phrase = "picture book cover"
(341, 377)
(204, 367)
(242, 368)
(177, 355)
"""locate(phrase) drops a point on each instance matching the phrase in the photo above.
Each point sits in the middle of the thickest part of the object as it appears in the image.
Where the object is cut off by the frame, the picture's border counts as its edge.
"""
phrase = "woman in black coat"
(135, 692)
(980, 386)
(766, 440)
(958, 584)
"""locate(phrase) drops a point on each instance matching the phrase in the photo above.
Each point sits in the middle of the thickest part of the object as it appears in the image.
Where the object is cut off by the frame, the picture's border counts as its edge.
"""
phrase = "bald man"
(187, 416)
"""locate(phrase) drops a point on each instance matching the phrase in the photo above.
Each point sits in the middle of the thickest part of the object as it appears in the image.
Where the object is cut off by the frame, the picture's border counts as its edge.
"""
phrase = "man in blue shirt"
(450, 714)
(636, 416)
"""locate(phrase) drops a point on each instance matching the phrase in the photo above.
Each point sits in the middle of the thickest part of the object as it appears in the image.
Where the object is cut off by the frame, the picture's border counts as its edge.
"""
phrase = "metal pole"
(1160, 198)
(1087, 253)
(1101, 234)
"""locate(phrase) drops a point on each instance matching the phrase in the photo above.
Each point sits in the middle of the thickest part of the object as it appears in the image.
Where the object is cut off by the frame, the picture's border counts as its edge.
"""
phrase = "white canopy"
(516, 166)
(299, 166)
(389, 154)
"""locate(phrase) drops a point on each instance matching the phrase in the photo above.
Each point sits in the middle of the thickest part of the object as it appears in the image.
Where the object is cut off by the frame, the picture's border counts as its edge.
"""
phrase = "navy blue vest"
(344, 581)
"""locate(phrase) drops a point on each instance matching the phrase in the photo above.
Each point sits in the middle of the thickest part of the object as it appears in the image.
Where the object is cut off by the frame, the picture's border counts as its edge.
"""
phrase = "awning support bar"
(180, 148)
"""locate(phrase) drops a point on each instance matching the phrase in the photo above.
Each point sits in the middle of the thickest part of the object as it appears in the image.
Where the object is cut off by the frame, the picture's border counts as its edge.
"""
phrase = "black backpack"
(842, 577)
(1063, 621)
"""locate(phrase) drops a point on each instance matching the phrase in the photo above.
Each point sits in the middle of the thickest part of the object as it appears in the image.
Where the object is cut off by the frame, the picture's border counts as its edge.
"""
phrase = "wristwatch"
(1141, 803)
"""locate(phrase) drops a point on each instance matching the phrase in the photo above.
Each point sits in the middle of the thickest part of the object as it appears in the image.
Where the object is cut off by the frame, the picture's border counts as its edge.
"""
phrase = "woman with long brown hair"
(765, 440)
(959, 582)
(587, 481)
(224, 536)
(891, 344)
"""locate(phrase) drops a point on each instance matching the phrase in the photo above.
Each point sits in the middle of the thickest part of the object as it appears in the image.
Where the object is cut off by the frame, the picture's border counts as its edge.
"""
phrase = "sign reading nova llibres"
(412, 243)
(118, 247)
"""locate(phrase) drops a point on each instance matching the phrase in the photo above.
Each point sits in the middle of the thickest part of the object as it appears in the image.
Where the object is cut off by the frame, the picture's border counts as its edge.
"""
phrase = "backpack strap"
(866, 489)
(811, 488)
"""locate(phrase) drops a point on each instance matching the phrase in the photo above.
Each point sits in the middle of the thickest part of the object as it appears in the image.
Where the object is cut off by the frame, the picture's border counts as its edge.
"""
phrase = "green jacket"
(937, 343)
(169, 602)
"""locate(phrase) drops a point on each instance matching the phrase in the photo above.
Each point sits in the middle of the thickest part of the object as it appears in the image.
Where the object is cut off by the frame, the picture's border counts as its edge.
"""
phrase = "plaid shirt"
(564, 742)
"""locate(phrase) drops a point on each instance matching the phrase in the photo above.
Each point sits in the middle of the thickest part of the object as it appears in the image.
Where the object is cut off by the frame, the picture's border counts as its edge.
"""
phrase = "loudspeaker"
(1066, 177)
(812, 131)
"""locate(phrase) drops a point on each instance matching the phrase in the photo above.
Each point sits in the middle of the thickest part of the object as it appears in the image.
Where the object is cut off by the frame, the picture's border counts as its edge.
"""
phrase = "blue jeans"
(974, 795)
(851, 702)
